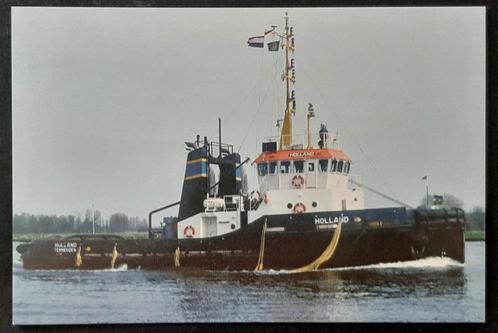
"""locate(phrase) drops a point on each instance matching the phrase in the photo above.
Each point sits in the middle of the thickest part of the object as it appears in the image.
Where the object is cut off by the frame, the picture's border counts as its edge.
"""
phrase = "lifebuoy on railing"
(189, 231)
(297, 181)
(299, 208)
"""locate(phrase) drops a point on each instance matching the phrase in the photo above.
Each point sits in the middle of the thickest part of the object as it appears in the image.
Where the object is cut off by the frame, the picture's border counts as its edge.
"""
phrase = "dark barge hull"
(379, 235)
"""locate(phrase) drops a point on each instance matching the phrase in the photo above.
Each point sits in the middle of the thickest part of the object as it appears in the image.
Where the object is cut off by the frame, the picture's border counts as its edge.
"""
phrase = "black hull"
(424, 234)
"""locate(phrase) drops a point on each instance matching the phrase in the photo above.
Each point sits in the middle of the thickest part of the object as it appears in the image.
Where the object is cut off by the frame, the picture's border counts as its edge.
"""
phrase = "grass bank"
(32, 237)
(475, 235)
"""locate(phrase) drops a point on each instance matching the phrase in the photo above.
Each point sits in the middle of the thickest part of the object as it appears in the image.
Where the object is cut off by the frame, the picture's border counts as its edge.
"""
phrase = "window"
(272, 167)
(333, 165)
(262, 169)
(311, 166)
(284, 166)
(298, 166)
(346, 167)
(322, 165)
(339, 166)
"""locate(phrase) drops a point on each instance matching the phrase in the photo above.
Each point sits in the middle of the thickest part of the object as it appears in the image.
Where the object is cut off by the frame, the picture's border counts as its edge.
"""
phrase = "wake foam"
(425, 263)
(428, 263)
(120, 268)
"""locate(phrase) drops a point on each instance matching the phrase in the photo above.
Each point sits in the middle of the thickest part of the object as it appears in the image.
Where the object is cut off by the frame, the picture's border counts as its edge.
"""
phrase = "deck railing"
(216, 147)
(300, 141)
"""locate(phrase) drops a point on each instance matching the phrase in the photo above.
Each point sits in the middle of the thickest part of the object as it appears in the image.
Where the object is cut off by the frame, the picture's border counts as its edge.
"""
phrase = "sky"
(103, 99)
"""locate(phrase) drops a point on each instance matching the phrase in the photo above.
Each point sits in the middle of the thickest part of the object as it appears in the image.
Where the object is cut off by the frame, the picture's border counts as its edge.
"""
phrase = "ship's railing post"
(155, 211)
(332, 141)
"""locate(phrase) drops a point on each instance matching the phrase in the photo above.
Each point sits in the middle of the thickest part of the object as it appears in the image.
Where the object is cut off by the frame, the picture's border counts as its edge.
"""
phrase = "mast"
(290, 110)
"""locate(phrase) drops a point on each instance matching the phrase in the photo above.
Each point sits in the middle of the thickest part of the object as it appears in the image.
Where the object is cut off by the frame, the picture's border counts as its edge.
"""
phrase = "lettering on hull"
(65, 247)
(331, 219)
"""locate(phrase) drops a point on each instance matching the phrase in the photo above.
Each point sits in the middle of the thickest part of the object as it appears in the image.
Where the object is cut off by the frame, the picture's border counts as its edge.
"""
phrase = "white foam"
(120, 268)
(274, 272)
(425, 263)
(429, 262)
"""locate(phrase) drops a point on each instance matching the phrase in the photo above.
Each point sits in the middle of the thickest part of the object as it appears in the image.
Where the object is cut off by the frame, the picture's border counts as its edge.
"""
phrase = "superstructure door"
(310, 174)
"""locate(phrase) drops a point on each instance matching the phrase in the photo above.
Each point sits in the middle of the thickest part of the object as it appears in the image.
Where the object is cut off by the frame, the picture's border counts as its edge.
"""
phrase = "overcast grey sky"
(103, 99)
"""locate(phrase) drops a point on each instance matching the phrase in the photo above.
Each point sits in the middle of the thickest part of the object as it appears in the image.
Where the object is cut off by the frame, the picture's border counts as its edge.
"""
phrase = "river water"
(427, 290)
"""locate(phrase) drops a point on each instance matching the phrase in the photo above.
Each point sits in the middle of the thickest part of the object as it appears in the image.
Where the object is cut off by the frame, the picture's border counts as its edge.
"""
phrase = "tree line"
(475, 219)
(54, 224)
(118, 222)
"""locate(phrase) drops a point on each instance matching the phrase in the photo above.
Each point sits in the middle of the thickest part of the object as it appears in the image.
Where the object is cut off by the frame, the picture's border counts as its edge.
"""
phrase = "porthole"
(232, 226)
(314, 203)
(289, 205)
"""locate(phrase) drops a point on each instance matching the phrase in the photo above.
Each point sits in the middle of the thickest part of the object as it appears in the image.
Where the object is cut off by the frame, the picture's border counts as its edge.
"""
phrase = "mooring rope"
(114, 255)
(177, 257)
(259, 266)
(325, 256)
(78, 260)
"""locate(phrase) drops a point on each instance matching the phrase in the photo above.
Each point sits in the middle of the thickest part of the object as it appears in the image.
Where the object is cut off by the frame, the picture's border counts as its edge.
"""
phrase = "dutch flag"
(258, 41)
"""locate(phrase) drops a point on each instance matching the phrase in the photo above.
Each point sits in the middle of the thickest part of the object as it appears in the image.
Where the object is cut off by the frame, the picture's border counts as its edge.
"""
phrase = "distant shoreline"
(33, 237)
(470, 236)
(475, 235)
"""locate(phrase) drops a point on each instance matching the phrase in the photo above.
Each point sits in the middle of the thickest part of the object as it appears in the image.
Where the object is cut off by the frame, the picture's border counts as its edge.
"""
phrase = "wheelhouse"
(304, 168)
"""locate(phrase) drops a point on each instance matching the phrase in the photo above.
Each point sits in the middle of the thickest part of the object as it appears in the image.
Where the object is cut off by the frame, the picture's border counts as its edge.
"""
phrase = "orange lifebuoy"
(299, 208)
(189, 231)
(297, 181)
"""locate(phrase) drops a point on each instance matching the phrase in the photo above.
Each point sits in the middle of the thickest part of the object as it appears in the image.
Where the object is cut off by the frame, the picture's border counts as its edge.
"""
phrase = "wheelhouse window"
(284, 166)
(311, 166)
(262, 169)
(323, 165)
(298, 166)
(339, 166)
(272, 168)
(333, 165)
(346, 167)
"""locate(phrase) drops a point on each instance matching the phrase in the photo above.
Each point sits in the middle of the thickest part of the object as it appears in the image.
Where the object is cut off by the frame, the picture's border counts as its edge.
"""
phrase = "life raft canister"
(299, 208)
(297, 181)
(189, 231)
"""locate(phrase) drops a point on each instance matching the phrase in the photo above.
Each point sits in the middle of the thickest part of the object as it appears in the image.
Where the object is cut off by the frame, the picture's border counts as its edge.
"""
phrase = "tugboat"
(308, 212)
